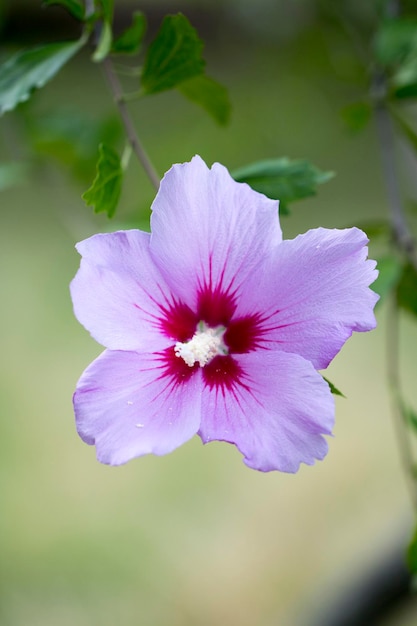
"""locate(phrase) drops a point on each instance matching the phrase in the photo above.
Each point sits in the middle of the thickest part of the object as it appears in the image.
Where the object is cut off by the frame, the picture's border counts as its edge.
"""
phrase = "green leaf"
(71, 137)
(395, 40)
(104, 43)
(210, 95)
(175, 55)
(12, 174)
(356, 115)
(407, 289)
(283, 179)
(75, 7)
(130, 41)
(104, 193)
(31, 69)
(412, 554)
(334, 389)
(390, 269)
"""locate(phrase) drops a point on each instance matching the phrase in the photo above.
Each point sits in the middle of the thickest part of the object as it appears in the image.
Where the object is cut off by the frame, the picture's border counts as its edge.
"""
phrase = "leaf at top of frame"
(175, 55)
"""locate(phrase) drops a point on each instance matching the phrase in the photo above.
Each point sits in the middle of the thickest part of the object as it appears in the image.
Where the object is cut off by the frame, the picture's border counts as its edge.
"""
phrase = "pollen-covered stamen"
(203, 347)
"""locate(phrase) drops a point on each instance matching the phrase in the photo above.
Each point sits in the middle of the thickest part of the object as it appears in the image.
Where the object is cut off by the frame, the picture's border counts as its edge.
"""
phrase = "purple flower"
(214, 325)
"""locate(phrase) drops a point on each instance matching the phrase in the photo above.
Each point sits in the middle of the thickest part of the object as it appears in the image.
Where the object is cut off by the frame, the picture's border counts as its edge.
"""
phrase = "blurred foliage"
(283, 179)
(104, 193)
(129, 42)
(75, 7)
(12, 174)
(71, 137)
(174, 55)
(31, 69)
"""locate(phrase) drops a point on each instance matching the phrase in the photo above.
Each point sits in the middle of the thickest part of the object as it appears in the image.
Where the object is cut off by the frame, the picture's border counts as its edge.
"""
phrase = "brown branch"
(117, 92)
(404, 240)
(132, 136)
(401, 232)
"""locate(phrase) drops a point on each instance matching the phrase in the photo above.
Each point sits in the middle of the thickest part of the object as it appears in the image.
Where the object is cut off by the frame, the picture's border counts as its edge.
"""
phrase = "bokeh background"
(193, 538)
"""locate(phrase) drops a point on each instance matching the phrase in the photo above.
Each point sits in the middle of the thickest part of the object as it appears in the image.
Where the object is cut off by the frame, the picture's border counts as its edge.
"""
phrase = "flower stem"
(89, 8)
(117, 92)
(402, 235)
(132, 136)
(398, 412)
(405, 241)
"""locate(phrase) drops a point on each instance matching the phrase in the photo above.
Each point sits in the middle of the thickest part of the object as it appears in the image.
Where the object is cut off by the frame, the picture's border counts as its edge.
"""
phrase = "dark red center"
(216, 308)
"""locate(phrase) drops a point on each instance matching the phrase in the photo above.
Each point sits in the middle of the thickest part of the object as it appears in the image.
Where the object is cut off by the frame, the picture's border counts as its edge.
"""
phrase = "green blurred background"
(193, 538)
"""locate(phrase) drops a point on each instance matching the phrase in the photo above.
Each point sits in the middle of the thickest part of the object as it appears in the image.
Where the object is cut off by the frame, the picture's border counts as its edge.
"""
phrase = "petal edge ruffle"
(127, 407)
(276, 413)
(313, 293)
(208, 231)
(118, 293)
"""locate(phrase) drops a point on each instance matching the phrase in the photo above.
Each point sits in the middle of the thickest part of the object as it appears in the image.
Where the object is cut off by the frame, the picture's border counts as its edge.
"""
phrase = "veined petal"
(118, 293)
(275, 412)
(209, 232)
(312, 293)
(129, 404)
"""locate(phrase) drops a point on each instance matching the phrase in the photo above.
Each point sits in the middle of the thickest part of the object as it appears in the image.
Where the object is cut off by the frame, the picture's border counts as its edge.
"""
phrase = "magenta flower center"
(208, 338)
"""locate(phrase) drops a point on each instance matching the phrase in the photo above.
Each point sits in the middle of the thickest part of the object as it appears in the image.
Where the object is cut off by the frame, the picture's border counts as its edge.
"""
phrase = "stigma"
(206, 343)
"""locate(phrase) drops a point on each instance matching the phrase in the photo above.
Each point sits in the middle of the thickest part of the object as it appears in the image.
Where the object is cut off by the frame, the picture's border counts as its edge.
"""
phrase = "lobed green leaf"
(131, 39)
(283, 179)
(32, 69)
(209, 94)
(104, 193)
(75, 7)
(175, 55)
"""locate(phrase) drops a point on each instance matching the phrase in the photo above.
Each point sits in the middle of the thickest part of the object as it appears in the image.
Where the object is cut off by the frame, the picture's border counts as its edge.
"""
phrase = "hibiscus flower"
(213, 325)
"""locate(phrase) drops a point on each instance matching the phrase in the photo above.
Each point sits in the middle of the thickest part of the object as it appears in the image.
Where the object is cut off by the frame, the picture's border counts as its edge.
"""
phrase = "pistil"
(206, 343)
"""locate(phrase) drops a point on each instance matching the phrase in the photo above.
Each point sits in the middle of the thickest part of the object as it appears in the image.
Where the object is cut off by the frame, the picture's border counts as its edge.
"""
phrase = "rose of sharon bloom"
(213, 325)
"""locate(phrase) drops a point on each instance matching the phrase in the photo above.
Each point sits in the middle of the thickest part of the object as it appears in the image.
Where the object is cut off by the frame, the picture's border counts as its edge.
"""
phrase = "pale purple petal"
(275, 412)
(128, 405)
(209, 232)
(118, 293)
(312, 293)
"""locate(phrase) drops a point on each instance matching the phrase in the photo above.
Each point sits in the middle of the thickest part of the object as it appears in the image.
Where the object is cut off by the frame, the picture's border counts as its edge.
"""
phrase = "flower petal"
(119, 294)
(127, 405)
(209, 232)
(313, 294)
(275, 412)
